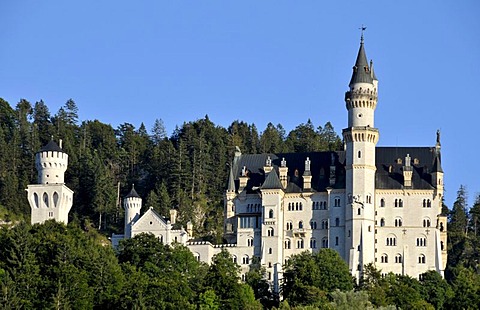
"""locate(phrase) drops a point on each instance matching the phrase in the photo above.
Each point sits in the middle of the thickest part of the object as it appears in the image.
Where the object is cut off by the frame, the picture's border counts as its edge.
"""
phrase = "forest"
(73, 267)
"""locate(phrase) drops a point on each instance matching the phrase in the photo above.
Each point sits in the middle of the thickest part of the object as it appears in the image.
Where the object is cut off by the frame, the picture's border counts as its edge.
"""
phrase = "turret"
(50, 198)
(51, 163)
(437, 171)
(360, 138)
(132, 204)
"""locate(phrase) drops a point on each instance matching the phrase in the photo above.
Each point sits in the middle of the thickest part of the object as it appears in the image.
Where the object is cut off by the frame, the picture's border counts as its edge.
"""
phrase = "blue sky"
(256, 61)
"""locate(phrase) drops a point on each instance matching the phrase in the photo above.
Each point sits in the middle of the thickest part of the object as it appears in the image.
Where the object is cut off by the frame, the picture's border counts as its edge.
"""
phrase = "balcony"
(299, 232)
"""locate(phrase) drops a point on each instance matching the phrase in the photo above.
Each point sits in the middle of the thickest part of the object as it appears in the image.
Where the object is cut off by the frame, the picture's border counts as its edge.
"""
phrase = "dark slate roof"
(133, 193)
(319, 168)
(437, 164)
(51, 146)
(361, 70)
(231, 181)
(272, 181)
(389, 174)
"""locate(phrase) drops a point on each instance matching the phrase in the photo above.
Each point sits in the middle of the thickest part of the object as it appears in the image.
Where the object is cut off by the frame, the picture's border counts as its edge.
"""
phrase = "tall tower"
(132, 204)
(361, 138)
(50, 198)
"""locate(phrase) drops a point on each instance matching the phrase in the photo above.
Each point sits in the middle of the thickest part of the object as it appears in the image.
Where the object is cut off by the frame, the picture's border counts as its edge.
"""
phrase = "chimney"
(407, 172)
(307, 176)
(173, 216)
(243, 179)
(268, 166)
(190, 229)
(283, 169)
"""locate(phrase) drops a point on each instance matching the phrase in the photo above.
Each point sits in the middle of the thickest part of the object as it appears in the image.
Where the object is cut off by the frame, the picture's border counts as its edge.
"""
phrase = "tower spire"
(361, 69)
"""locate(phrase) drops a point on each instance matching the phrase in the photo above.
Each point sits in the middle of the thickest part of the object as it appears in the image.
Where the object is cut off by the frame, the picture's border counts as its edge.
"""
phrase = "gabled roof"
(51, 146)
(272, 181)
(150, 219)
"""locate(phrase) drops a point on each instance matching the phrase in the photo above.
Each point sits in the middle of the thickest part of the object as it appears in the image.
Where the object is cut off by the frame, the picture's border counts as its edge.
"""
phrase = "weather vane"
(362, 29)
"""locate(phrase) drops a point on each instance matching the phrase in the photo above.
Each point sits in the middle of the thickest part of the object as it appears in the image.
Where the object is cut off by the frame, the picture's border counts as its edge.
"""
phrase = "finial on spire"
(362, 29)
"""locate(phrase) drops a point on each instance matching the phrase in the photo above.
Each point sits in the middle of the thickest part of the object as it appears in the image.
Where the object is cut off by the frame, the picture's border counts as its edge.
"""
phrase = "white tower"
(132, 204)
(361, 138)
(50, 198)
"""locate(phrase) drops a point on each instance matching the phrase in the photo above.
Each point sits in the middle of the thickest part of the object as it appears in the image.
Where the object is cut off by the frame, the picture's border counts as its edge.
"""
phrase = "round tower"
(132, 204)
(361, 138)
(50, 198)
(51, 163)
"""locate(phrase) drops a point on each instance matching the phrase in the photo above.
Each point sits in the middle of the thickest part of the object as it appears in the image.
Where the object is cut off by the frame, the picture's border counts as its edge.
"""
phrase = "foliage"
(308, 277)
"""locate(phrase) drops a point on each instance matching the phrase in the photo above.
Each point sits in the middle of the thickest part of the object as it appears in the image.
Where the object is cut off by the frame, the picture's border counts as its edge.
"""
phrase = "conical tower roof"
(51, 146)
(361, 70)
(231, 181)
(133, 193)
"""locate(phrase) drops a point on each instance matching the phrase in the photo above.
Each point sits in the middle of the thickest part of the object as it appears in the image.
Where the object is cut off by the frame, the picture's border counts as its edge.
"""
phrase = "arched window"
(270, 251)
(289, 225)
(421, 259)
(424, 203)
(400, 203)
(382, 203)
(55, 199)
(246, 260)
(396, 203)
(250, 242)
(391, 240)
(197, 256)
(382, 222)
(336, 240)
(426, 222)
(359, 211)
(234, 258)
(288, 244)
(324, 243)
(300, 244)
(384, 258)
(313, 225)
(422, 241)
(300, 224)
(359, 154)
(35, 199)
(270, 214)
(45, 199)
(398, 222)
(270, 232)
(337, 221)
(313, 243)
(429, 203)
(398, 259)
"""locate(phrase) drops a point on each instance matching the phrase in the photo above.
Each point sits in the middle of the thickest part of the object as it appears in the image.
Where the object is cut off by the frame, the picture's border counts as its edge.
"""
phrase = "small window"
(359, 154)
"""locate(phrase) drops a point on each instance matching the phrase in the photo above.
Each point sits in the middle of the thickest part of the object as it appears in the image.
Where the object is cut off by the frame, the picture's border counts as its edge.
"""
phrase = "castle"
(379, 205)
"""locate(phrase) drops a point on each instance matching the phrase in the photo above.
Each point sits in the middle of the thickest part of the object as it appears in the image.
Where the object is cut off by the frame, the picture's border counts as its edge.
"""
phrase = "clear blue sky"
(256, 61)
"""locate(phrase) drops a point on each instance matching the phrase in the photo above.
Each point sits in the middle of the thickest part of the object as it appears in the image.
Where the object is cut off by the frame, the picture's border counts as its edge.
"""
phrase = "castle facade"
(379, 205)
